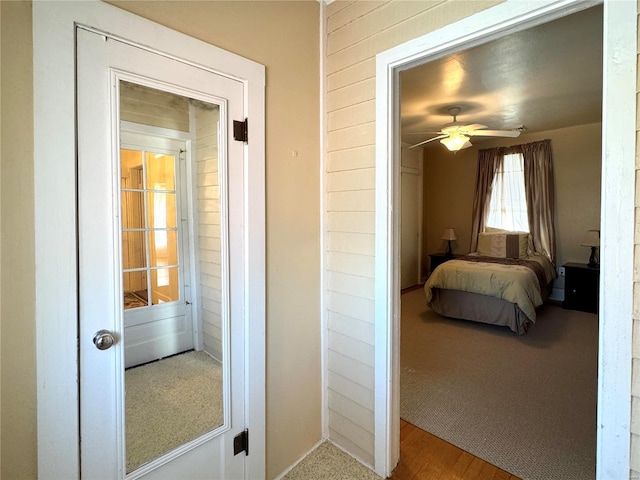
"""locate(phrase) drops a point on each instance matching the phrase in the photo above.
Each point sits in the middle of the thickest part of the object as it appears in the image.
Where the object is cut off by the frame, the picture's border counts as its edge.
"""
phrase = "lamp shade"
(591, 238)
(456, 141)
(449, 234)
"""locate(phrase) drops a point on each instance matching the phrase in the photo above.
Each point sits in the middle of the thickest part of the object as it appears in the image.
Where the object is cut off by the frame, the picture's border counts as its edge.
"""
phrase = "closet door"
(156, 271)
(410, 217)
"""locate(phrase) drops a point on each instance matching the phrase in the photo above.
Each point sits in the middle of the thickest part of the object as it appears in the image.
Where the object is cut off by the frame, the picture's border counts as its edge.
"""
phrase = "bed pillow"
(503, 245)
(496, 230)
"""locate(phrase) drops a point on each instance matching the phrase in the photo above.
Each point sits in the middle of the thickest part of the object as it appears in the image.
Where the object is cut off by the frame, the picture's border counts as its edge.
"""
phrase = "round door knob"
(103, 339)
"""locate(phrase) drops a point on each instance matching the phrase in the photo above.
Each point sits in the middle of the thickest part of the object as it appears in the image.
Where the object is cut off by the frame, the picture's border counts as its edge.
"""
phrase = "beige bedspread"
(513, 283)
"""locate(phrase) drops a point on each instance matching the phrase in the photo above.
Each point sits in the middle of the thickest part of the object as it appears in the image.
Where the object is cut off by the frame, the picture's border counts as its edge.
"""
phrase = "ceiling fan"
(455, 135)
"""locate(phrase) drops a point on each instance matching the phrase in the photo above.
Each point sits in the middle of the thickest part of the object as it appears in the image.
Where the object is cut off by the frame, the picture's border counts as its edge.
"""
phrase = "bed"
(496, 285)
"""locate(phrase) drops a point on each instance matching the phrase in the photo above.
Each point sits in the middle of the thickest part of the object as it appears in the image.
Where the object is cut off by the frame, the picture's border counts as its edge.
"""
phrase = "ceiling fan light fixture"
(456, 142)
(455, 135)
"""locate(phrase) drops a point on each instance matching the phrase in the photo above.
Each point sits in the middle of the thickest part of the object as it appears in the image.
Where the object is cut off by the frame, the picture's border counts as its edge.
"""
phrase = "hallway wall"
(17, 256)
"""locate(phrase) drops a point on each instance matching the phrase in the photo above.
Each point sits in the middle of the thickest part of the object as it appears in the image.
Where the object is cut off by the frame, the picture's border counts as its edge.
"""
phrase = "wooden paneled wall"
(152, 107)
(355, 33)
(208, 228)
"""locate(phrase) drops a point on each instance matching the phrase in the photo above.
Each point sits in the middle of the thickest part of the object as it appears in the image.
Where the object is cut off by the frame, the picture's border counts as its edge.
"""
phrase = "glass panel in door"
(149, 230)
(174, 288)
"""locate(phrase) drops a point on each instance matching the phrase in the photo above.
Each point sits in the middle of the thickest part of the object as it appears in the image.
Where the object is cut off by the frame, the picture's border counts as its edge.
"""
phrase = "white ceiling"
(544, 78)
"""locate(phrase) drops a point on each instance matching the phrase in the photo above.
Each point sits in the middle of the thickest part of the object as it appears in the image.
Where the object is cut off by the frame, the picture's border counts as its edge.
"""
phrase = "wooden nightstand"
(581, 287)
(440, 258)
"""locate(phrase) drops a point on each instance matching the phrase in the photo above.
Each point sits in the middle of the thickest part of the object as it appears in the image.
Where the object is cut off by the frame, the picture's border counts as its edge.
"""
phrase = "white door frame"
(55, 217)
(617, 207)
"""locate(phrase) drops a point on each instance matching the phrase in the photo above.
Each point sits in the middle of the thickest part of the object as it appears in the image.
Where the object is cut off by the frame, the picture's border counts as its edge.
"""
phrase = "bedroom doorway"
(615, 312)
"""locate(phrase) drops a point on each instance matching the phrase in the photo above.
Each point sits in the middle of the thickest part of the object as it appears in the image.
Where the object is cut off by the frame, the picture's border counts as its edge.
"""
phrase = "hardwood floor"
(424, 456)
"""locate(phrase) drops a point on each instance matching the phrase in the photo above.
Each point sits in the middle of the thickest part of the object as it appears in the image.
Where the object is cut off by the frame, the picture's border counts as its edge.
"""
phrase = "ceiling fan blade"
(494, 133)
(423, 133)
(427, 141)
(473, 126)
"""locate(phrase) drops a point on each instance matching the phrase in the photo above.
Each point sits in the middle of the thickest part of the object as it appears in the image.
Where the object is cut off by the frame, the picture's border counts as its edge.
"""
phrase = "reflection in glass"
(131, 168)
(163, 248)
(173, 378)
(162, 209)
(135, 289)
(164, 281)
(160, 171)
(132, 209)
(133, 250)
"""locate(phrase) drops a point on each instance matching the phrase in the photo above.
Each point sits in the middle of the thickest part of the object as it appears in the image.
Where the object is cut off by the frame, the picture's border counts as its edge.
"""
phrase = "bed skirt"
(481, 308)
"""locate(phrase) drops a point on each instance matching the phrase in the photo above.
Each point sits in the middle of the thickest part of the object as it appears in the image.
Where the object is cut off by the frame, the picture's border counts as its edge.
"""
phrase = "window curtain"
(539, 188)
(488, 163)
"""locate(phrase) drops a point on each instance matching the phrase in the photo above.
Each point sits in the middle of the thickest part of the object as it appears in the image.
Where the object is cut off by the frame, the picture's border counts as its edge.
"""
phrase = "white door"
(216, 290)
(410, 217)
(157, 313)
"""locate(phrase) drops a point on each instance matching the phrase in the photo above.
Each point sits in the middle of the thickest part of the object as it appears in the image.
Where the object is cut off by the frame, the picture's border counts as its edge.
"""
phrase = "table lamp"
(448, 235)
(592, 239)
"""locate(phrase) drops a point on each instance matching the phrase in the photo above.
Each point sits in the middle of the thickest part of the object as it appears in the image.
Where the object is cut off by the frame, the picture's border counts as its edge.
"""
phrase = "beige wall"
(0, 245)
(284, 36)
(577, 159)
(449, 183)
(18, 414)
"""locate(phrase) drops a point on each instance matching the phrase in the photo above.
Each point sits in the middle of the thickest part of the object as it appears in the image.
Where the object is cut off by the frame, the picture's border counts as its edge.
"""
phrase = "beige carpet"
(329, 462)
(525, 404)
(170, 402)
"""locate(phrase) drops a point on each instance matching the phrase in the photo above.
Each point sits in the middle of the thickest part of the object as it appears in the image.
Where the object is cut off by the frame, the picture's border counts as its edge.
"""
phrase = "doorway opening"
(471, 371)
(483, 28)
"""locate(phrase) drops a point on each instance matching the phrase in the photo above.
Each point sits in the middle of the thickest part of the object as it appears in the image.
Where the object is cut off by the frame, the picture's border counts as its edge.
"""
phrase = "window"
(508, 204)
(514, 191)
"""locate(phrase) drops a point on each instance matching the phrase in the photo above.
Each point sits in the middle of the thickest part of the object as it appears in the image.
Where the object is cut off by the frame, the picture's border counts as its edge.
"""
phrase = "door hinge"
(241, 130)
(241, 443)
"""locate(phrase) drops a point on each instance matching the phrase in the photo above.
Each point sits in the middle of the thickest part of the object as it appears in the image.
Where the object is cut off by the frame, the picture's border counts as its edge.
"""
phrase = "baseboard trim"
(411, 288)
(355, 457)
(557, 294)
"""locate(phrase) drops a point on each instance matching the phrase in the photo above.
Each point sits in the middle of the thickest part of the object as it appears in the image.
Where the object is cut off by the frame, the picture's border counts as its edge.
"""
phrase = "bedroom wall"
(450, 185)
(283, 36)
(356, 32)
